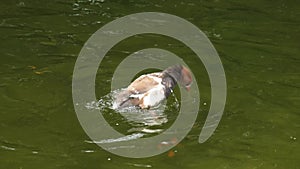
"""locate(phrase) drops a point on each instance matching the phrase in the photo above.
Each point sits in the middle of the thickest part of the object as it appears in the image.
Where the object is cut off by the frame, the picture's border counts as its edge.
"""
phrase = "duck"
(149, 90)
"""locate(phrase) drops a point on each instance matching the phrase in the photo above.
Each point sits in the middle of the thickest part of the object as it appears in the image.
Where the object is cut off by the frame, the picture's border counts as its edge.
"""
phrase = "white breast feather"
(154, 96)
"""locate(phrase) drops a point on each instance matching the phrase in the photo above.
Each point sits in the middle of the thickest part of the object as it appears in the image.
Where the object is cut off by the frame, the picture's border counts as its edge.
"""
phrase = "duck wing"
(140, 87)
(145, 83)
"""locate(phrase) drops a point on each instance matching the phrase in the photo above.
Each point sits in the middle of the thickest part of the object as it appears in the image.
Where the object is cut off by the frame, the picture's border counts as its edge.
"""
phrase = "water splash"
(141, 122)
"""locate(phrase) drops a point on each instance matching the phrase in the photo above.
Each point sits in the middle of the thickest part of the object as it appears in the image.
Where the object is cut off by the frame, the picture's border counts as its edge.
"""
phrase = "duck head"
(186, 78)
(181, 75)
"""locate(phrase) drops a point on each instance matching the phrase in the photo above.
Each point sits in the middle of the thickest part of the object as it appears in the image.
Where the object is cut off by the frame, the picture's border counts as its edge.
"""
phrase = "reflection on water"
(125, 138)
(140, 120)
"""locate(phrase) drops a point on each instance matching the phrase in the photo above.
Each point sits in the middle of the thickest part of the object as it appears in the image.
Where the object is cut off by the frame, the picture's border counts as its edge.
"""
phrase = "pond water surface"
(258, 43)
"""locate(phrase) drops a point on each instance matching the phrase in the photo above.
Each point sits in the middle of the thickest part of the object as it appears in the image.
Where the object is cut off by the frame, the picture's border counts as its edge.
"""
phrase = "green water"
(258, 43)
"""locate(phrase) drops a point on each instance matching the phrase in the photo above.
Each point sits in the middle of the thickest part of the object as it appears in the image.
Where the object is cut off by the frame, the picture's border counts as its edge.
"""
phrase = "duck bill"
(188, 88)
